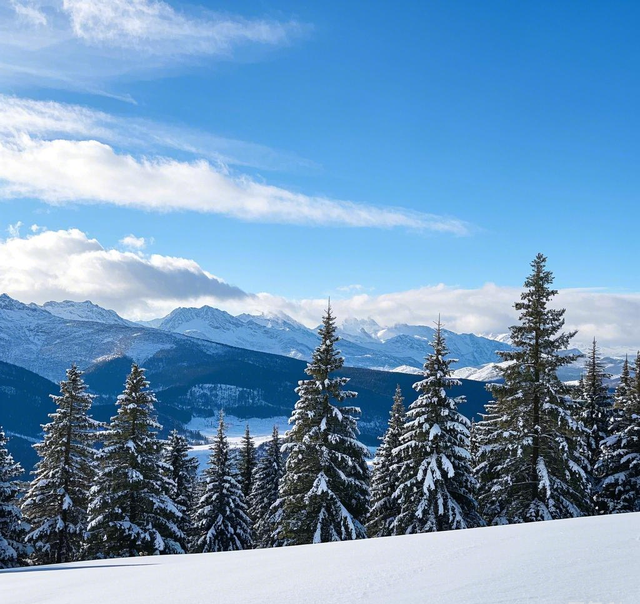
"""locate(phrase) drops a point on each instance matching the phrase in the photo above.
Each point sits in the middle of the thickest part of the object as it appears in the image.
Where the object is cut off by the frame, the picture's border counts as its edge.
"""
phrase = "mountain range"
(199, 360)
(192, 377)
(364, 343)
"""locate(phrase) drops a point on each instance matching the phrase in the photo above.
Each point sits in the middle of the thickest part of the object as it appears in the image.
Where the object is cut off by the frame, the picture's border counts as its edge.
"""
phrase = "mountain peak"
(84, 311)
(9, 303)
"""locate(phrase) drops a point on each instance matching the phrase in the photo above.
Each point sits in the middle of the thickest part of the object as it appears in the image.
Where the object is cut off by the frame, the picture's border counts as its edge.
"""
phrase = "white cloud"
(83, 44)
(59, 265)
(155, 27)
(50, 119)
(14, 229)
(30, 13)
(612, 318)
(61, 171)
(48, 149)
(133, 243)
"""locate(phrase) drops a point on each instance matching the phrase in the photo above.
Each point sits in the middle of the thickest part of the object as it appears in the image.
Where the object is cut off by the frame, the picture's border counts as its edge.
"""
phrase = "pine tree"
(221, 520)
(324, 492)
(264, 493)
(131, 512)
(531, 465)
(182, 471)
(247, 463)
(13, 547)
(596, 406)
(436, 490)
(620, 461)
(384, 482)
(57, 500)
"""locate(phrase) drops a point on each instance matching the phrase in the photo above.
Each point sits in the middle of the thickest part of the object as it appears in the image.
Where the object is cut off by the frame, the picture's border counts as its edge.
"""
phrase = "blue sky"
(516, 123)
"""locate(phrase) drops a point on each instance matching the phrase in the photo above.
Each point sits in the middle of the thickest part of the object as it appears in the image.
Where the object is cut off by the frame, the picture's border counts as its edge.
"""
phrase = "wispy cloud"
(14, 229)
(50, 119)
(84, 43)
(56, 153)
(29, 13)
(156, 27)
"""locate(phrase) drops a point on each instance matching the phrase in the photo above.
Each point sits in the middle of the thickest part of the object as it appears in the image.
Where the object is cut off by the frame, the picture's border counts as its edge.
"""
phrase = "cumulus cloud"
(59, 265)
(84, 43)
(133, 243)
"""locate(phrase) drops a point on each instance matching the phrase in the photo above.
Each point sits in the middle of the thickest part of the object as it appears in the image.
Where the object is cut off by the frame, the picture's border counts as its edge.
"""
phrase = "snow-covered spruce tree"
(13, 530)
(620, 460)
(436, 486)
(221, 521)
(386, 465)
(56, 503)
(596, 407)
(182, 471)
(264, 493)
(247, 463)
(131, 512)
(324, 493)
(531, 462)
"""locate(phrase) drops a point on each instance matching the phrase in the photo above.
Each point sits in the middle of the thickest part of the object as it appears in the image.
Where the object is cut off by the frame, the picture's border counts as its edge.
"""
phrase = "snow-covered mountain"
(570, 374)
(84, 311)
(486, 373)
(413, 341)
(277, 335)
(364, 342)
(45, 343)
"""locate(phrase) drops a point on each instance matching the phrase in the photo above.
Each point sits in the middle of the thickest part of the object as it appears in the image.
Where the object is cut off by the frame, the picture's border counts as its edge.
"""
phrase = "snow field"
(585, 560)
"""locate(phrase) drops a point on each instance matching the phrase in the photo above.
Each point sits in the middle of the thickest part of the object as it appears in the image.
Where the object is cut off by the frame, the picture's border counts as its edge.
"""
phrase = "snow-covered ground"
(260, 428)
(588, 560)
(486, 373)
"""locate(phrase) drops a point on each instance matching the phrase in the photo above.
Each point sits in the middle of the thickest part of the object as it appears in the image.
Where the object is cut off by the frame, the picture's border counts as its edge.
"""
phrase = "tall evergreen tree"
(531, 463)
(131, 512)
(182, 471)
(264, 493)
(324, 492)
(386, 465)
(13, 530)
(620, 461)
(57, 500)
(221, 521)
(247, 463)
(436, 490)
(596, 407)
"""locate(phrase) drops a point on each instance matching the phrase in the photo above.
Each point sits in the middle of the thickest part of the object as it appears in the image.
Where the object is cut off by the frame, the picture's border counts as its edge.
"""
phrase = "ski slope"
(565, 561)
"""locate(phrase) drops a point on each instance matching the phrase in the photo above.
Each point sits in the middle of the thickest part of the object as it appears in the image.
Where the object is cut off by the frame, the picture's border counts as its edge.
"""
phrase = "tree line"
(542, 450)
